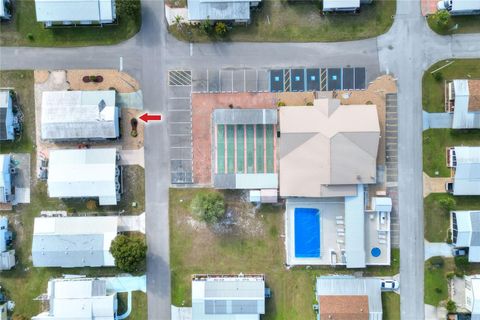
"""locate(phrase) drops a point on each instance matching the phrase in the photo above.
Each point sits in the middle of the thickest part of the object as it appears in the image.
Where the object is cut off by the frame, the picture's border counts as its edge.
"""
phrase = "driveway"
(440, 120)
(434, 185)
(437, 249)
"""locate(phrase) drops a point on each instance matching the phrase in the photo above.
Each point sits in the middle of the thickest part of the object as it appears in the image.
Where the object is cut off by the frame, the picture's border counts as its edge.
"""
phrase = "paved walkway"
(435, 313)
(434, 185)
(437, 249)
(439, 120)
(132, 157)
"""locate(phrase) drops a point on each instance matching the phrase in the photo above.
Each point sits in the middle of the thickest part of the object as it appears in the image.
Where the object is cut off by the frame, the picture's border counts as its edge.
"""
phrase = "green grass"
(199, 250)
(15, 33)
(436, 283)
(301, 21)
(437, 219)
(139, 305)
(391, 306)
(433, 99)
(466, 24)
(22, 83)
(435, 142)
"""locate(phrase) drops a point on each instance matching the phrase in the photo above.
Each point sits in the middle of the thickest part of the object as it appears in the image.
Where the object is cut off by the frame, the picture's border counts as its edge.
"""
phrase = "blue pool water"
(307, 233)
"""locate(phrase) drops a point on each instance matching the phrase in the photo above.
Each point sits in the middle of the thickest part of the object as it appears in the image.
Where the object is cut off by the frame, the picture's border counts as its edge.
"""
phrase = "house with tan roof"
(349, 298)
(463, 99)
(328, 149)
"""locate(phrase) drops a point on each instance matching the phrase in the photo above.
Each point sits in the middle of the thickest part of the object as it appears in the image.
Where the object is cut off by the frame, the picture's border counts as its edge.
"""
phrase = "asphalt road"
(408, 49)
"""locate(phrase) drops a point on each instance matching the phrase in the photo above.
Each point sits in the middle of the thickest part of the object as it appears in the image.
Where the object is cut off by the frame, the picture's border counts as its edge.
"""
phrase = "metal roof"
(5, 178)
(467, 172)
(246, 181)
(351, 286)
(219, 10)
(465, 5)
(245, 116)
(75, 10)
(462, 117)
(78, 115)
(3, 233)
(228, 297)
(6, 116)
(340, 4)
(468, 233)
(73, 241)
(355, 229)
(82, 173)
(79, 298)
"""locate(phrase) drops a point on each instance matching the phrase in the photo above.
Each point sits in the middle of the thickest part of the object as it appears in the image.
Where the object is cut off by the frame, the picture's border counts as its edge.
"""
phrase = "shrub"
(86, 79)
(129, 252)
(208, 206)
(309, 103)
(449, 236)
(438, 290)
(443, 18)
(281, 104)
(447, 203)
(134, 123)
(206, 26)
(451, 306)
(93, 78)
(134, 133)
(461, 262)
(30, 36)
(450, 275)
(437, 262)
(91, 205)
(221, 29)
(17, 316)
(438, 76)
(128, 7)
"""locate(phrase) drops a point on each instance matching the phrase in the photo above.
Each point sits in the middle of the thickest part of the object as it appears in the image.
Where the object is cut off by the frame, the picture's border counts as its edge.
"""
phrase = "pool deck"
(332, 234)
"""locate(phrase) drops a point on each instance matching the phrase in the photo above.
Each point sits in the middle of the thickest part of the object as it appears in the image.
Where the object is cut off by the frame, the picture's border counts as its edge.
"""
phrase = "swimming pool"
(307, 233)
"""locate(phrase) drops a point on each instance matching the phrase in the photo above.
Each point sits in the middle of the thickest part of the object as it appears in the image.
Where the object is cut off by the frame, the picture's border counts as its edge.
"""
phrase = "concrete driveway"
(437, 249)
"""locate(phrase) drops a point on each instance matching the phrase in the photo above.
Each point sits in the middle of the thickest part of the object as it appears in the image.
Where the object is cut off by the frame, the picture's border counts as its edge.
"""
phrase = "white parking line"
(179, 98)
(176, 147)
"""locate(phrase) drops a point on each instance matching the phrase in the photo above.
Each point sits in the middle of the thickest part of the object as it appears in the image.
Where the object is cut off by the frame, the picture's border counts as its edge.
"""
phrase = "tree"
(221, 29)
(447, 203)
(443, 18)
(128, 7)
(451, 306)
(129, 252)
(461, 262)
(17, 316)
(208, 206)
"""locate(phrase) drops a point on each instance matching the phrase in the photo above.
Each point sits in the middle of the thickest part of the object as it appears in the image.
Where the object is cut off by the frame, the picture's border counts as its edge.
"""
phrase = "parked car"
(388, 285)
(459, 252)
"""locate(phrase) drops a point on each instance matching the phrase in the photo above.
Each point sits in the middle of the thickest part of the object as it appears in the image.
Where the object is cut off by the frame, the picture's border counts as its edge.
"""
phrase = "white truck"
(460, 7)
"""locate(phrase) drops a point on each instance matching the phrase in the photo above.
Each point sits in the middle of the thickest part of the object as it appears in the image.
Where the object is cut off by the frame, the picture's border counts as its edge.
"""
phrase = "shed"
(382, 204)
(84, 173)
(7, 130)
(79, 115)
(5, 179)
(75, 11)
(341, 5)
(70, 242)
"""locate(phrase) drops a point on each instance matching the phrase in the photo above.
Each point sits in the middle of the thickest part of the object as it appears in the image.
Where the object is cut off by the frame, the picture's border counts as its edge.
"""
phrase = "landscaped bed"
(250, 243)
(457, 24)
(433, 92)
(302, 21)
(24, 30)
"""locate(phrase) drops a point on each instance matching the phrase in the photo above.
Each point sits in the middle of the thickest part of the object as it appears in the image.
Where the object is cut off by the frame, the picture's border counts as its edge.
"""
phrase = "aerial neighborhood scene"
(239, 159)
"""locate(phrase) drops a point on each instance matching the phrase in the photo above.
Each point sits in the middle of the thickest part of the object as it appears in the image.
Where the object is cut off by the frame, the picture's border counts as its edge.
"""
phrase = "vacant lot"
(24, 30)
(435, 142)
(437, 219)
(253, 244)
(458, 24)
(433, 86)
(302, 21)
(436, 283)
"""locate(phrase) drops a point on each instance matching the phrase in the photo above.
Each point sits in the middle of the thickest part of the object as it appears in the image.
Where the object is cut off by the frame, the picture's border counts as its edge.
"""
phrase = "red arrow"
(147, 117)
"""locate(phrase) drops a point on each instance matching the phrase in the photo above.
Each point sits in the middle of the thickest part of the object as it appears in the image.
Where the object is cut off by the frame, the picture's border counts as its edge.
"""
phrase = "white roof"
(472, 295)
(79, 299)
(462, 116)
(79, 173)
(465, 5)
(5, 177)
(382, 204)
(340, 4)
(467, 171)
(79, 115)
(2, 14)
(355, 229)
(75, 10)
(468, 233)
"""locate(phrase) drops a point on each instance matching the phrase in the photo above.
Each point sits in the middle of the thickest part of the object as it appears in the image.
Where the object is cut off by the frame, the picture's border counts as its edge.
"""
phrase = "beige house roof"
(327, 149)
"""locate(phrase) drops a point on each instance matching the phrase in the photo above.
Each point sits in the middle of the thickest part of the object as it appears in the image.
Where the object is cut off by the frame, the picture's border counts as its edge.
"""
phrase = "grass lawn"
(139, 305)
(196, 248)
(436, 283)
(24, 23)
(435, 142)
(391, 306)
(466, 24)
(301, 21)
(437, 219)
(433, 90)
